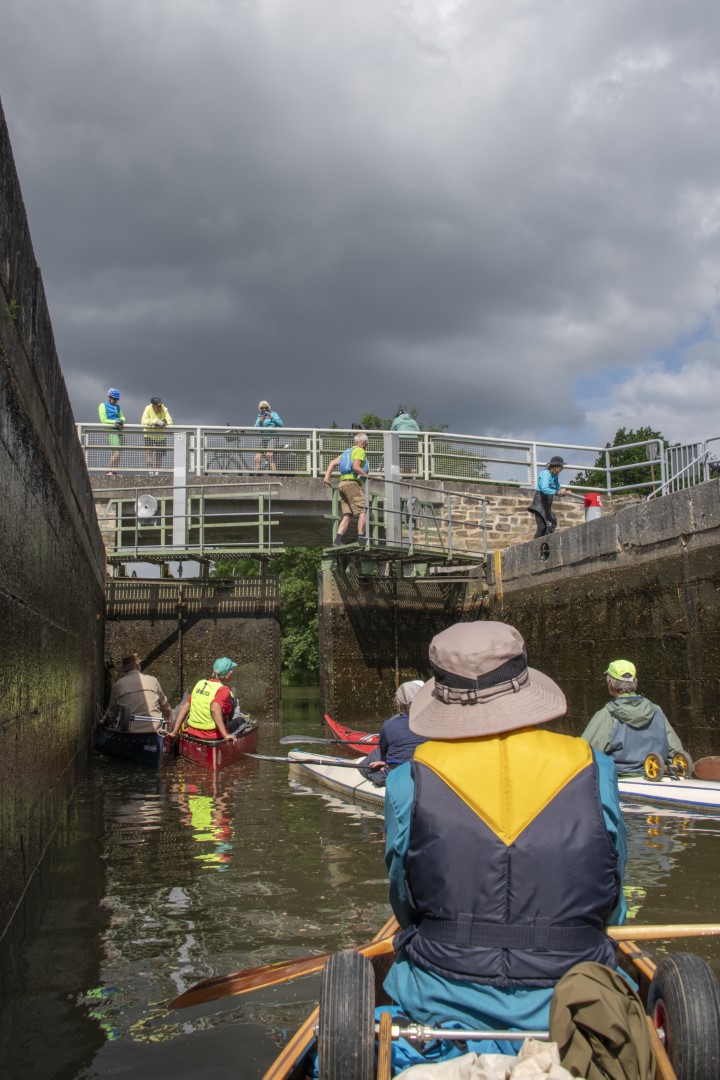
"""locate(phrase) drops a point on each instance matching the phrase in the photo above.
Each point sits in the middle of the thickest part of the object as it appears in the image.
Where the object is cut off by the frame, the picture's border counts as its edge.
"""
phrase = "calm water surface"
(159, 880)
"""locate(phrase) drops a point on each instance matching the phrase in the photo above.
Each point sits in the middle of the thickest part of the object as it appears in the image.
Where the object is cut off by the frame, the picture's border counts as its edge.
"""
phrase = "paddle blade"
(241, 982)
(707, 768)
(294, 740)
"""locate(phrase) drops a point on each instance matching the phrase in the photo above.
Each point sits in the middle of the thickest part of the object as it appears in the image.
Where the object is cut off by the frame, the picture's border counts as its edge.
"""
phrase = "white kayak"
(325, 770)
(693, 794)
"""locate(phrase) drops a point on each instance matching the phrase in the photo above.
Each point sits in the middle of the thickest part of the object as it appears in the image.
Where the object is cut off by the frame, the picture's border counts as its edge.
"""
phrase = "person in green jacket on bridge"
(403, 422)
(630, 726)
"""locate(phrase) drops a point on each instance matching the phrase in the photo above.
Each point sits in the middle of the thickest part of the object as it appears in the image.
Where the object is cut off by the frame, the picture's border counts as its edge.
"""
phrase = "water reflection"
(165, 879)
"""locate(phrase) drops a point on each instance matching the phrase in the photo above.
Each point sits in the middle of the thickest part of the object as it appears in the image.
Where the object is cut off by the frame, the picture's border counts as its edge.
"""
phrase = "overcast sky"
(506, 212)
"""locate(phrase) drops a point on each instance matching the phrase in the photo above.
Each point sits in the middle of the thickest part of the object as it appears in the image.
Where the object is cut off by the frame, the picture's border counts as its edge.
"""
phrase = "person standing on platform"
(155, 419)
(505, 844)
(548, 486)
(353, 466)
(630, 727)
(111, 414)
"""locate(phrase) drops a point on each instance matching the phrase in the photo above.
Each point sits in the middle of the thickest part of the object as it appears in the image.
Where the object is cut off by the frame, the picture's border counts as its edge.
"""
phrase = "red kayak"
(357, 740)
(217, 754)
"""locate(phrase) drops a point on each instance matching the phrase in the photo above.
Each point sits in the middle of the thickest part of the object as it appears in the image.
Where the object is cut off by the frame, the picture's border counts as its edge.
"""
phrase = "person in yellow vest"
(155, 419)
(209, 709)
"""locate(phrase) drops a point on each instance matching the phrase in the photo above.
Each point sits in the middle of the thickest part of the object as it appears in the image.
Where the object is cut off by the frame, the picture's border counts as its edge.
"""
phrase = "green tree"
(596, 477)
(297, 569)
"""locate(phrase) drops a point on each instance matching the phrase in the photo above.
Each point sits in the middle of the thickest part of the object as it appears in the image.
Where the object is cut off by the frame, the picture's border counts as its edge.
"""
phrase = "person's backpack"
(346, 461)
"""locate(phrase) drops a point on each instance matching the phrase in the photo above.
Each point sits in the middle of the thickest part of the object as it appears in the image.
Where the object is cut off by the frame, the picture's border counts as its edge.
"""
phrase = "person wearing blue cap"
(111, 414)
(211, 710)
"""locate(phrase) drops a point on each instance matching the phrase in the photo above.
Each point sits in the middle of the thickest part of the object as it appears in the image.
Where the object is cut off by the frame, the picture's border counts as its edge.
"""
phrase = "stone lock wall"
(643, 584)
(52, 565)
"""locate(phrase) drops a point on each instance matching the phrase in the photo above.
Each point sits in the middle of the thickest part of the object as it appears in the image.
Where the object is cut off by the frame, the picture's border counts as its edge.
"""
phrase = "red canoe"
(357, 740)
(219, 754)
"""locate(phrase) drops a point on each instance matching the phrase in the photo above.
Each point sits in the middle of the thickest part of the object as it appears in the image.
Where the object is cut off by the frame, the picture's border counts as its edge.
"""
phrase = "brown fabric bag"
(600, 1026)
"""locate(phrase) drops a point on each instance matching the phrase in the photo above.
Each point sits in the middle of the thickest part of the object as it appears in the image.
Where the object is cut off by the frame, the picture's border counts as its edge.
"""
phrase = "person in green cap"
(211, 709)
(630, 726)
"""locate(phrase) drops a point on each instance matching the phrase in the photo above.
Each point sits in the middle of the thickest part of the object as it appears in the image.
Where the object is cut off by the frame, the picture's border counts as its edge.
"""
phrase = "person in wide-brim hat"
(505, 844)
(482, 685)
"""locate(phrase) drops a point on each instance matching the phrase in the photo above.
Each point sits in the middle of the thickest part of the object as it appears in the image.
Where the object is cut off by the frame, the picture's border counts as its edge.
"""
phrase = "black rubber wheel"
(346, 1028)
(684, 1002)
(682, 762)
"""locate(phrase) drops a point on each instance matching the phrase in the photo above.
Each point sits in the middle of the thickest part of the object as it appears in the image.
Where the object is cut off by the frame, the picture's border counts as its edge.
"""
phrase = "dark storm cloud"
(465, 206)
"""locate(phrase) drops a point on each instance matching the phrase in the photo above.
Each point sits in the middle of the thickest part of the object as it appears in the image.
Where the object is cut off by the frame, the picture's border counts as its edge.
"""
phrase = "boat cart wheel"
(346, 1028)
(682, 763)
(654, 767)
(684, 1003)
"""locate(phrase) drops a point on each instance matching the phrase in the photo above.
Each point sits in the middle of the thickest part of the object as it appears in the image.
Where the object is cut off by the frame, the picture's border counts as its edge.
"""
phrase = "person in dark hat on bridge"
(505, 844)
(548, 486)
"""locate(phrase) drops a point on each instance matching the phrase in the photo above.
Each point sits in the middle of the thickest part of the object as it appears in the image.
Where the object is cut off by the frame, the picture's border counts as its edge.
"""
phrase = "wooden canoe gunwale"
(291, 1063)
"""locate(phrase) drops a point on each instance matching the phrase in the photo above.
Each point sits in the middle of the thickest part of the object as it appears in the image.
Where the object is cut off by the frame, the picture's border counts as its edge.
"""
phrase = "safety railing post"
(179, 537)
(314, 453)
(449, 525)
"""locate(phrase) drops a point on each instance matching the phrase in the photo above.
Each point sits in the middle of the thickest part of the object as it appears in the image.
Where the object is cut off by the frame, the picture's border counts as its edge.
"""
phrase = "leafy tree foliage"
(372, 422)
(642, 475)
(298, 570)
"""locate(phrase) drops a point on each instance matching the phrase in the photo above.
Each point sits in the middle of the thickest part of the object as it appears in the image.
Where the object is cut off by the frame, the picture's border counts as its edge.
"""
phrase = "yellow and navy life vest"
(511, 871)
(203, 695)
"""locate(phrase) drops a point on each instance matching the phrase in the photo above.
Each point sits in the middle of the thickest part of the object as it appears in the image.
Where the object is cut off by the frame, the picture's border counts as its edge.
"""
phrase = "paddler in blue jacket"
(505, 845)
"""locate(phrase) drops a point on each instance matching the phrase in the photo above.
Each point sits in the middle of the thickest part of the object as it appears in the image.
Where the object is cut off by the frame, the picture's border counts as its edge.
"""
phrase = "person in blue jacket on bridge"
(505, 845)
(548, 486)
(111, 414)
(266, 418)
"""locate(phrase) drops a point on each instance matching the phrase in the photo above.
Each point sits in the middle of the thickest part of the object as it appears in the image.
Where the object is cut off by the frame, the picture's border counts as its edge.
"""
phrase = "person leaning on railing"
(111, 414)
(154, 419)
(548, 486)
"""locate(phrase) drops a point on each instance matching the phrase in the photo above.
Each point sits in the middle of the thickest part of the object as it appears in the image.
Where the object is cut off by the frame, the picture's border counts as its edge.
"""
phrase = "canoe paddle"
(242, 982)
(293, 740)
(335, 762)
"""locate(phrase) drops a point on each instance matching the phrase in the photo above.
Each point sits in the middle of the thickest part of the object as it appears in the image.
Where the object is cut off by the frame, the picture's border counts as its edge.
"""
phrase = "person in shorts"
(155, 419)
(351, 487)
(266, 418)
(111, 414)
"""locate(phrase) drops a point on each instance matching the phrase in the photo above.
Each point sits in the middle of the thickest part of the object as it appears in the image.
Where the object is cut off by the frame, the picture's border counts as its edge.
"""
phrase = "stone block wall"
(375, 633)
(507, 518)
(52, 565)
(644, 585)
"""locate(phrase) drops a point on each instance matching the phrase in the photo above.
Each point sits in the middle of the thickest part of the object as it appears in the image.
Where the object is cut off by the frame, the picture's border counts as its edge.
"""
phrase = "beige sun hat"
(482, 685)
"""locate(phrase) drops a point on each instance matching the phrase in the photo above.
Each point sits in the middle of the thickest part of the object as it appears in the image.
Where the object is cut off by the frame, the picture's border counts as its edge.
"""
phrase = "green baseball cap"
(224, 666)
(622, 670)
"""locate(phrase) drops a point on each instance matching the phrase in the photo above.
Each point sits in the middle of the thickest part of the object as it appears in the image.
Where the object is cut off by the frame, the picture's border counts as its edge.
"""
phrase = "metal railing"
(228, 518)
(427, 455)
(687, 466)
(427, 520)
